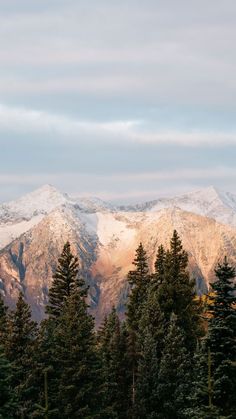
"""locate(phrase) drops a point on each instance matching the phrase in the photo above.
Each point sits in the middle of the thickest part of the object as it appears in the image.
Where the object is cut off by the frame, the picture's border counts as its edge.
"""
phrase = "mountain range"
(104, 236)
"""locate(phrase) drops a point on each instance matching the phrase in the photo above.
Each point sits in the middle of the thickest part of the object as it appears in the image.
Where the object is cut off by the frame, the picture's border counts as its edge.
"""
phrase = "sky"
(125, 100)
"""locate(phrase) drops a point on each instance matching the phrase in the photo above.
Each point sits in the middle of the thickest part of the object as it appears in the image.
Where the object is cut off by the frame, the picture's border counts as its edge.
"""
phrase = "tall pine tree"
(77, 360)
(3, 321)
(139, 280)
(176, 293)
(174, 376)
(65, 280)
(8, 405)
(21, 335)
(66, 345)
(221, 338)
(112, 349)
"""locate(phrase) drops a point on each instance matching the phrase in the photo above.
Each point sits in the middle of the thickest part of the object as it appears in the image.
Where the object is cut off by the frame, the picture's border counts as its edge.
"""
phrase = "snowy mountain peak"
(47, 188)
(40, 201)
(205, 194)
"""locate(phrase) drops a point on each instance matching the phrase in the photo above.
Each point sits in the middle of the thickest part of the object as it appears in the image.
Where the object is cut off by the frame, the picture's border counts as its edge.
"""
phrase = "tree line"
(173, 357)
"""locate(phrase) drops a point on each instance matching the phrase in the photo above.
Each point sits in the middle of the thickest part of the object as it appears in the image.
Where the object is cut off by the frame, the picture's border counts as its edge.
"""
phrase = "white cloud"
(22, 120)
(219, 172)
(162, 51)
(129, 187)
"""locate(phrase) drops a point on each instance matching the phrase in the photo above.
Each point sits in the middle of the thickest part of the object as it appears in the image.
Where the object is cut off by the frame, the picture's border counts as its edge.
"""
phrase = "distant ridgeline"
(34, 228)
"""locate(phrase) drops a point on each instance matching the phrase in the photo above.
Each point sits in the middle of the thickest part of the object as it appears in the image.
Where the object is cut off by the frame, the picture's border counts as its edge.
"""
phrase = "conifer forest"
(173, 356)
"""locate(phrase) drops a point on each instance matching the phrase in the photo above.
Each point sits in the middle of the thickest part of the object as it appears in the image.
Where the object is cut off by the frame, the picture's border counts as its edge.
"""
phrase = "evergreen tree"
(214, 386)
(139, 280)
(65, 284)
(221, 339)
(3, 321)
(76, 358)
(65, 280)
(176, 294)
(7, 400)
(201, 390)
(112, 345)
(158, 276)
(21, 335)
(45, 361)
(174, 376)
(146, 404)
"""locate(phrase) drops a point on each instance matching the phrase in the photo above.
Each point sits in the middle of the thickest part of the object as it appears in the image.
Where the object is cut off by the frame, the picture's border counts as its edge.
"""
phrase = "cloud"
(155, 51)
(219, 172)
(21, 120)
(128, 187)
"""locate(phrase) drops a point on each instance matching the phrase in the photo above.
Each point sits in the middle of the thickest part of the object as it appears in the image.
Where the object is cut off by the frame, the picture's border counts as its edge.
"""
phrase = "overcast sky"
(125, 100)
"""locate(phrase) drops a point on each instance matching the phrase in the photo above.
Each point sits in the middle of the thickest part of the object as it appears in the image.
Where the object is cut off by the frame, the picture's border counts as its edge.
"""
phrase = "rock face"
(35, 228)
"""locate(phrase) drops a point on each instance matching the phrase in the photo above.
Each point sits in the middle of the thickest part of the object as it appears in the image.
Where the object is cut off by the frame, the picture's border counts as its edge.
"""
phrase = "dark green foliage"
(138, 279)
(77, 362)
(145, 368)
(112, 347)
(158, 276)
(146, 403)
(66, 345)
(7, 397)
(221, 339)
(170, 293)
(20, 340)
(45, 360)
(214, 387)
(176, 293)
(174, 376)
(65, 280)
(3, 321)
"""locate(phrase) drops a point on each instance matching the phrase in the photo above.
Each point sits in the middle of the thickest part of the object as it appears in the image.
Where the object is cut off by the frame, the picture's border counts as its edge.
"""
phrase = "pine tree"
(158, 276)
(21, 336)
(45, 361)
(112, 346)
(7, 398)
(221, 338)
(3, 321)
(139, 280)
(201, 390)
(65, 280)
(214, 386)
(76, 359)
(146, 404)
(65, 284)
(176, 294)
(174, 376)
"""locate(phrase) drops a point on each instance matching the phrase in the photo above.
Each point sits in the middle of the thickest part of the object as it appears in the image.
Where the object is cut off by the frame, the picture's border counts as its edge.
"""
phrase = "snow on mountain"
(17, 217)
(34, 228)
(39, 202)
(92, 204)
(209, 202)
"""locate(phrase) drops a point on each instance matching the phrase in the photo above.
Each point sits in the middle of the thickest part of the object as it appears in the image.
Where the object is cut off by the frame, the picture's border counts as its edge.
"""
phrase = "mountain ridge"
(104, 238)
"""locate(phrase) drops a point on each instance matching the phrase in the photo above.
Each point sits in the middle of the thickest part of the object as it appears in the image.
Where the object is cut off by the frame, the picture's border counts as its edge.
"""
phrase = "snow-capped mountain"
(210, 202)
(34, 228)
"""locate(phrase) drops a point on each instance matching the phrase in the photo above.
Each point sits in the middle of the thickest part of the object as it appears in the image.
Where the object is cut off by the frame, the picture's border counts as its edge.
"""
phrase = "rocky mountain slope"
(34, 229)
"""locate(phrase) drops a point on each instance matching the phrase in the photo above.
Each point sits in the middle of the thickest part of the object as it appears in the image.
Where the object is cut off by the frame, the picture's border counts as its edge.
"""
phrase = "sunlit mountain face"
(34, 228)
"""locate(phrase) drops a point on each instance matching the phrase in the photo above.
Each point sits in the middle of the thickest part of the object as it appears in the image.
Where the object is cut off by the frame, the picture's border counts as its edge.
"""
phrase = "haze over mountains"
(34, 228)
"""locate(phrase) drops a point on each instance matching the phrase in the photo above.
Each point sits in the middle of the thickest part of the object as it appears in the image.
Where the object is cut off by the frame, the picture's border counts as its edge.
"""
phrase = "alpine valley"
(34, 228)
